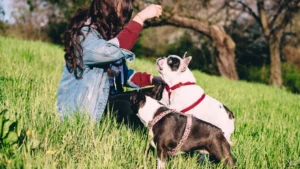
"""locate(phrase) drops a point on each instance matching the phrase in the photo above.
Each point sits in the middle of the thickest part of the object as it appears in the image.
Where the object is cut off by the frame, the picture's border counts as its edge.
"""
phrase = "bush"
(254, 73)
(3, 28)
(141, 50)
(290, 75)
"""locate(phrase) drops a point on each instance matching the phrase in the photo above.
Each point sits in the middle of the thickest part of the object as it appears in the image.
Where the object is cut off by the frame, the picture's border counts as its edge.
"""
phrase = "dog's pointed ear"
(185, 63)
(133, 99)
(184, 54)
(157, 91)
(141, 98)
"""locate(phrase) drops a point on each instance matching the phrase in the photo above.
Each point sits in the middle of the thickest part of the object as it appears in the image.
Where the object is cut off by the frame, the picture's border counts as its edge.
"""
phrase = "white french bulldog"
(186, 95)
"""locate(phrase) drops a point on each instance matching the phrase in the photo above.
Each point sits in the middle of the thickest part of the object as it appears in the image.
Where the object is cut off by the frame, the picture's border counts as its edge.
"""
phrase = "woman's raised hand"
(149, 12)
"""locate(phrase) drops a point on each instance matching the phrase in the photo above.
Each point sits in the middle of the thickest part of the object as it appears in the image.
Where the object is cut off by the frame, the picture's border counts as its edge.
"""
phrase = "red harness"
(169, 90)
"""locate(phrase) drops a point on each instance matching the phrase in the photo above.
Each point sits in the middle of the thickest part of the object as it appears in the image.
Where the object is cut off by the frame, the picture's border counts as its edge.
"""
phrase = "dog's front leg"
(161, 157)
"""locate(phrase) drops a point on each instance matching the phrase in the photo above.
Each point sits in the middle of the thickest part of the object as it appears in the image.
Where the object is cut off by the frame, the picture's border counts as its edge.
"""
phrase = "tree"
(189, 17)
(61, 15)
(221, 40)
(273, 19)
(3, 26)
(2, 12)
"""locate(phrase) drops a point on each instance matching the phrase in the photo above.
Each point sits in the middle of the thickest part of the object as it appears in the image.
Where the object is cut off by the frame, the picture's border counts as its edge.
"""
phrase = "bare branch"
(194, 24)
(290, 9)
(176, 6)
(263, 17)
(217, 11)
(276, 15)
(251, 12)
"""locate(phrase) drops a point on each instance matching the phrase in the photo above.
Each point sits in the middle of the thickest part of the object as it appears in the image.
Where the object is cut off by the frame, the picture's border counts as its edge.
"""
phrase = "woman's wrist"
(151, 79)
(139, 19)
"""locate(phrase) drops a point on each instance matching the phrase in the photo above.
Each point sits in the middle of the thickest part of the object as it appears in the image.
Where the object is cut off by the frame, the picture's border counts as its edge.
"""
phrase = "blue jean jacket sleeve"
(90, 93)
(97, 51)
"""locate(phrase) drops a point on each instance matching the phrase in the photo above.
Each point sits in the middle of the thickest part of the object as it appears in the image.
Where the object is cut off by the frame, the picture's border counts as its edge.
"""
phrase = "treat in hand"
(149, 12)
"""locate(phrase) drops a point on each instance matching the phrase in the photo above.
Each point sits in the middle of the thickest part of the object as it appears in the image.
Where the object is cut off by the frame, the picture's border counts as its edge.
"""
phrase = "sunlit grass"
(267, 119)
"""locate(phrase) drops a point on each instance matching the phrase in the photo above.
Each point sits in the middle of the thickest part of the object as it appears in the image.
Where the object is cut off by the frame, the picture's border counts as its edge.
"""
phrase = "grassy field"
(267, 119)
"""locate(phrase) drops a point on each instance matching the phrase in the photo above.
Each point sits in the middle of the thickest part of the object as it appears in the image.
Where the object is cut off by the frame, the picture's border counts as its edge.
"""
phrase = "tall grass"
(267, 133)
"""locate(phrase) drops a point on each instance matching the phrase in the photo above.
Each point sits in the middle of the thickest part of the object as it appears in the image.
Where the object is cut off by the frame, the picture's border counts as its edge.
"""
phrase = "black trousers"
(119, 104)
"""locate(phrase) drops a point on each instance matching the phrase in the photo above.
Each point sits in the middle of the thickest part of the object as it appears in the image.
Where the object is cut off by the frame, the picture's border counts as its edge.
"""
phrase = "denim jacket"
(90, 94)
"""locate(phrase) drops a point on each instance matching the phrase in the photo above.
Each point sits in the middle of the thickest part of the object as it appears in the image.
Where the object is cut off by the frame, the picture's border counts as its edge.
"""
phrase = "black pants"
(119, 104)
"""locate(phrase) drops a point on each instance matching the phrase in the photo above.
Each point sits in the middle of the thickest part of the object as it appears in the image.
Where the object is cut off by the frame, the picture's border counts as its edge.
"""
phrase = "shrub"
(290, 75)
(3, 28)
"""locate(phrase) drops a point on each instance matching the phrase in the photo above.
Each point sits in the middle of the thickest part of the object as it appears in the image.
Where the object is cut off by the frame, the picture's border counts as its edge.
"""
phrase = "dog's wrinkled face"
(172, 66)
(137, 101)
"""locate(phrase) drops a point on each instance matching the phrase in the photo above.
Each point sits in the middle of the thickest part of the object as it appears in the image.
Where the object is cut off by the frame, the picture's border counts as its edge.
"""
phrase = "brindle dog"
(168, 131)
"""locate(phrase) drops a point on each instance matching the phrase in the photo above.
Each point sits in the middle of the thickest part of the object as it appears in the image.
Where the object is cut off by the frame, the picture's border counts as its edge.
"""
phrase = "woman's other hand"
(149, 12)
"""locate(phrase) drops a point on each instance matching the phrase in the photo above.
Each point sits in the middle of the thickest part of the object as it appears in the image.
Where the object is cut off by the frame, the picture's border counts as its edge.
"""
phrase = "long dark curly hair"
(103, 15)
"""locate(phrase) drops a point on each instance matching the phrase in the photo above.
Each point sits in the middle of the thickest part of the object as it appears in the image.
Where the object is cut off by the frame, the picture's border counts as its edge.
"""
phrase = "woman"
(96, 52)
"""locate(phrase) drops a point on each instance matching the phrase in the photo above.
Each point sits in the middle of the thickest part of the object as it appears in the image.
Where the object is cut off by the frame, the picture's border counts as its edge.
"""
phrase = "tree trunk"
(275, 69)
(221, 40)
(226, 49)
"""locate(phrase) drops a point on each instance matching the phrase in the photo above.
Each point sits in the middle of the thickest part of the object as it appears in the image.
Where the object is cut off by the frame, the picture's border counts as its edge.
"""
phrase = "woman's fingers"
(158, 7)
(149, 12)
(158, 10)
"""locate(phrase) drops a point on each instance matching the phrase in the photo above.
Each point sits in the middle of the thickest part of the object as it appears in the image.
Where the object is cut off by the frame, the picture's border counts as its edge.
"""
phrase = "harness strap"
(186, 133)
(194, 104)
(170, 89)
(157, 118)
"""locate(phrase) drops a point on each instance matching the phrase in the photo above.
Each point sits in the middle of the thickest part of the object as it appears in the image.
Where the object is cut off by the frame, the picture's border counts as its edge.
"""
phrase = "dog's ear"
(184, 54)
(141, 98)
(133, 99)
(137, 101)
(157, 91)
(185, 63)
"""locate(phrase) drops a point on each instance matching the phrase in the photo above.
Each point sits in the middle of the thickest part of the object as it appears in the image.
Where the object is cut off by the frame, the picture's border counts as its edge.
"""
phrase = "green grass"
(267, 119)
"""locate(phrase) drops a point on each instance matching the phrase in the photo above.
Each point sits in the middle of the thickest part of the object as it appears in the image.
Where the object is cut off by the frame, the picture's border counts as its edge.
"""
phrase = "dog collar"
(186, 132)
(170, 89)
(157, 118)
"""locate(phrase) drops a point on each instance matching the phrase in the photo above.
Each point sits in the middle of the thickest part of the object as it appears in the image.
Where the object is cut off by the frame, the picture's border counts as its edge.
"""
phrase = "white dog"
(182, 94)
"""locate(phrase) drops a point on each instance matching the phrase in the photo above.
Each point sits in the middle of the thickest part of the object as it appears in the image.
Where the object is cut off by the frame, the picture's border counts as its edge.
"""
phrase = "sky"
(7, 6)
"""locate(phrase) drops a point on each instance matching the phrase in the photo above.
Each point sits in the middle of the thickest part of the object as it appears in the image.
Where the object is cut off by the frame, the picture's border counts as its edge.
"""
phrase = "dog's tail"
(229, 112)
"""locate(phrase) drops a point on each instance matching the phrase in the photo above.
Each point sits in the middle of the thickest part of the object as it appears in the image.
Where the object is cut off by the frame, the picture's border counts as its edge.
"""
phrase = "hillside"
(267, 119)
